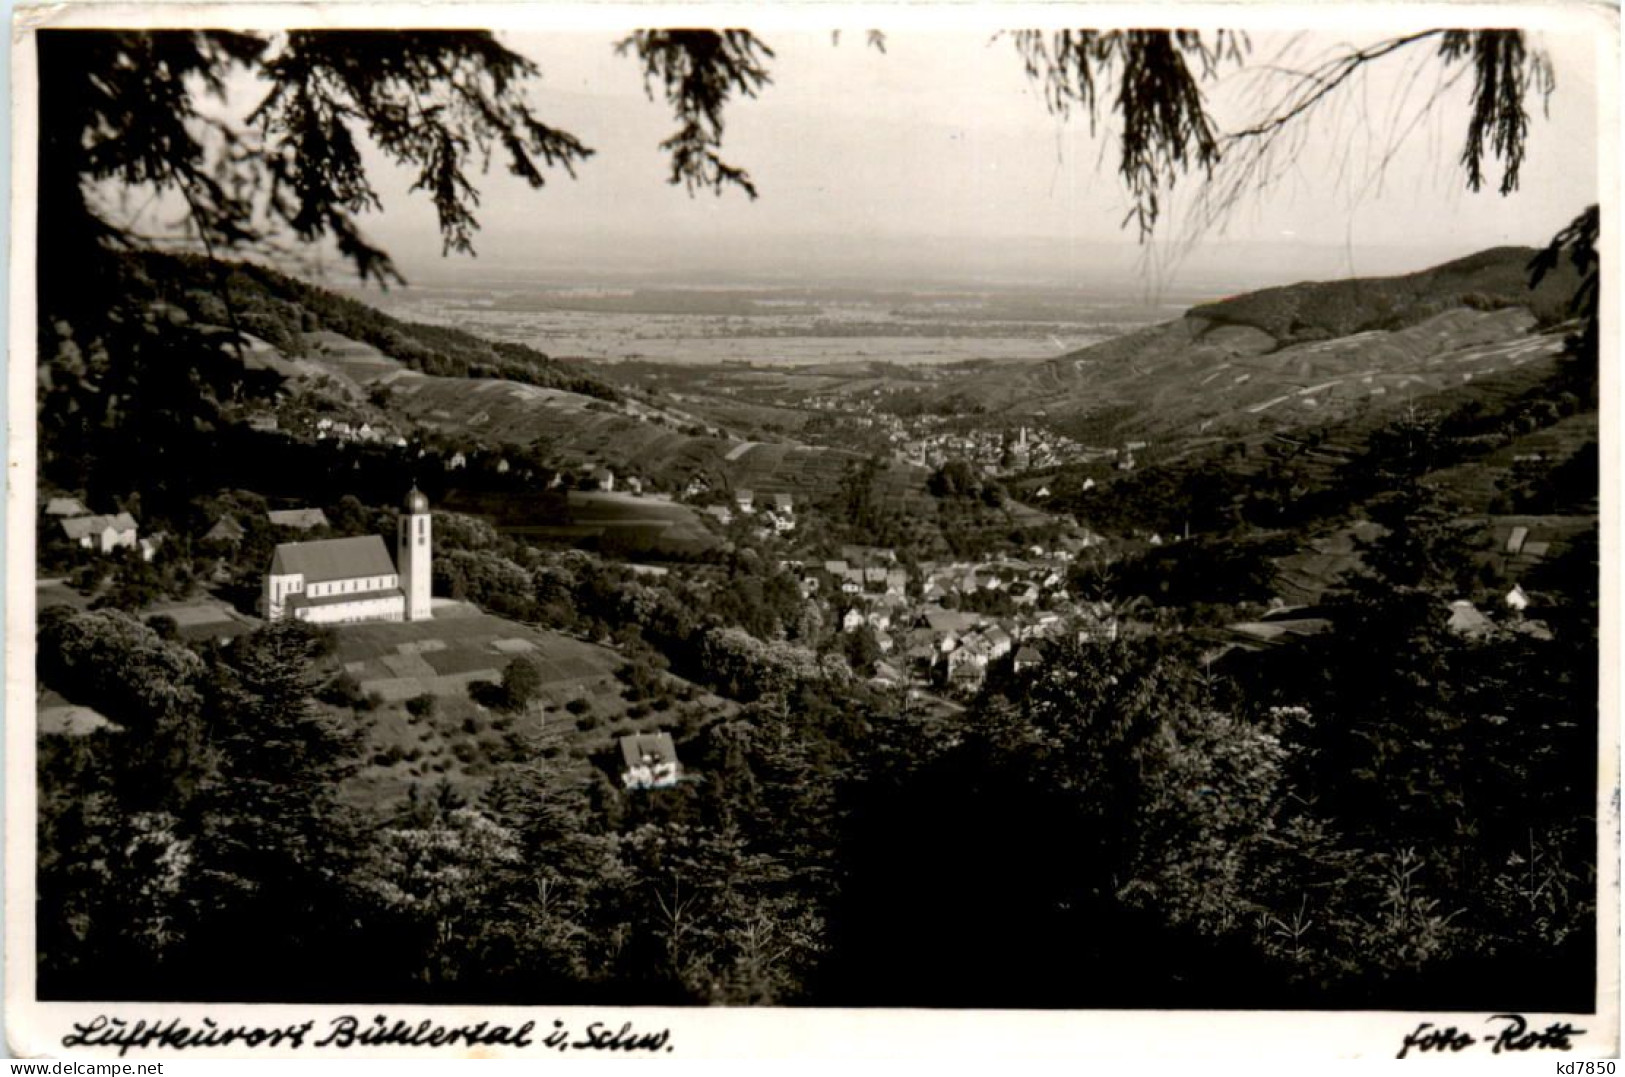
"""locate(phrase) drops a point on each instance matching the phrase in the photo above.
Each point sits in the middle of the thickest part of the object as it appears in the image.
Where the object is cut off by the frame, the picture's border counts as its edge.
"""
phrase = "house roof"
(948, 620)
(226, 528)
(304, 519)
(65, 506)
(656, 746)
(1465, 619)
(80, 526)
(333, 559)
(1274, 631)
(71, 720)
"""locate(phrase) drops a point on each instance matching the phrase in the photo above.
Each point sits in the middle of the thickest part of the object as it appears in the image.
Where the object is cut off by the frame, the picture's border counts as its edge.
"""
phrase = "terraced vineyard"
(1191, 378)
(630, 437)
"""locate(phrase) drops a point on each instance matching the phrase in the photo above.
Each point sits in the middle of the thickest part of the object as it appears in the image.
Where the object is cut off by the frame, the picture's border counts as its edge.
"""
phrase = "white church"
(346, 580)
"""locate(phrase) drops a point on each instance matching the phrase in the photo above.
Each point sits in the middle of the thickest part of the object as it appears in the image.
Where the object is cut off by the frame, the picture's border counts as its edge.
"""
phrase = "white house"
(346, 580)
(104, 534)
(650, 761)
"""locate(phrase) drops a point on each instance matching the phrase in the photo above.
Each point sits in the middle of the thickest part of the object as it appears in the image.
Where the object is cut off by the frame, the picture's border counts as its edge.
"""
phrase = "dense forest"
(1170, 826)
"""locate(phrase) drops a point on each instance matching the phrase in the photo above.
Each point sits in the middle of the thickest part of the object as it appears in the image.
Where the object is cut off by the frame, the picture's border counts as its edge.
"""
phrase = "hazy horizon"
(937, 162)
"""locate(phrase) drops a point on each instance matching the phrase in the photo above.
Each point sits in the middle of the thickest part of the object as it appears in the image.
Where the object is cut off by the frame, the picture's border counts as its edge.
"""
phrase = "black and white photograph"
(620, 519)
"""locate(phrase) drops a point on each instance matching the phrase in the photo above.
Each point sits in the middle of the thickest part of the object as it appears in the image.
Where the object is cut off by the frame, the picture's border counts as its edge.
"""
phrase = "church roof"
(333, 559)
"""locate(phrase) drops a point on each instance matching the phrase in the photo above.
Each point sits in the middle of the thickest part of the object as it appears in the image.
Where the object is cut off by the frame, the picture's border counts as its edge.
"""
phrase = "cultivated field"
(582, 707)
(400, 660)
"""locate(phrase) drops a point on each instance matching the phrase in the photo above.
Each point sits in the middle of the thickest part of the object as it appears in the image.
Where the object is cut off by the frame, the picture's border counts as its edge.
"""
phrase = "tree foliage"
(698, 71)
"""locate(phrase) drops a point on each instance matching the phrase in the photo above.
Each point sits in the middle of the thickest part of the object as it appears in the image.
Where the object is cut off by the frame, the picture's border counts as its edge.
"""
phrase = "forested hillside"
(280, 309)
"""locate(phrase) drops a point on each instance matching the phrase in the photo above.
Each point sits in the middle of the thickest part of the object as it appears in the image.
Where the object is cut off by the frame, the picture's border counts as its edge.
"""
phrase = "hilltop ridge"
(1319, 310)
(1265, 359)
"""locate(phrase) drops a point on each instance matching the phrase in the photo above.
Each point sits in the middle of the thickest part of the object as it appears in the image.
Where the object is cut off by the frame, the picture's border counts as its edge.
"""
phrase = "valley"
(874, 524)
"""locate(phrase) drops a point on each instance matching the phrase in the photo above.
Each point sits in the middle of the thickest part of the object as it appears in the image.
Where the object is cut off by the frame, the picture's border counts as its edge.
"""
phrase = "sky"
(938, 158)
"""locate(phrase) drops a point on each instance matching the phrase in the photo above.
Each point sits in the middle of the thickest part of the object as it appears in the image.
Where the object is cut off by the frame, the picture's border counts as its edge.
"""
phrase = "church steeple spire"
(415, 554)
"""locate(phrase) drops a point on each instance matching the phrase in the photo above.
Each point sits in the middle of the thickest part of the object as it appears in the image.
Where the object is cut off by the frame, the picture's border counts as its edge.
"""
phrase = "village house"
(852, 620)
(1466, 620)
(966, 676)
(886, 676)
(226, 529)
(649, 761)
(1026, 658)
(65, 506)
(103, 534)
(746, 501)
(348, 580)
(299, 519)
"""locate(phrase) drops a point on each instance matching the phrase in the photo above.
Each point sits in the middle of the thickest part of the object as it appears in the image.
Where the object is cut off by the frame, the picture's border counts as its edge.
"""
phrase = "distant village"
(943, 625)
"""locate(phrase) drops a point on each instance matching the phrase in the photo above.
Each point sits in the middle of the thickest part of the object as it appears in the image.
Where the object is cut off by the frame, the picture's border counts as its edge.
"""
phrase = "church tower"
(414, 555)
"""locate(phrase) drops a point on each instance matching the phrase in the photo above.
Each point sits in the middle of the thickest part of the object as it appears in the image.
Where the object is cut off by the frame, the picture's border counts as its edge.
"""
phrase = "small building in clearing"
(649, 761)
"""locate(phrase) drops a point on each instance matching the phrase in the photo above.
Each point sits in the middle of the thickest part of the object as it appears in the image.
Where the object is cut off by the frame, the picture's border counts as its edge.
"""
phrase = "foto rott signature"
(1509, 1033)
